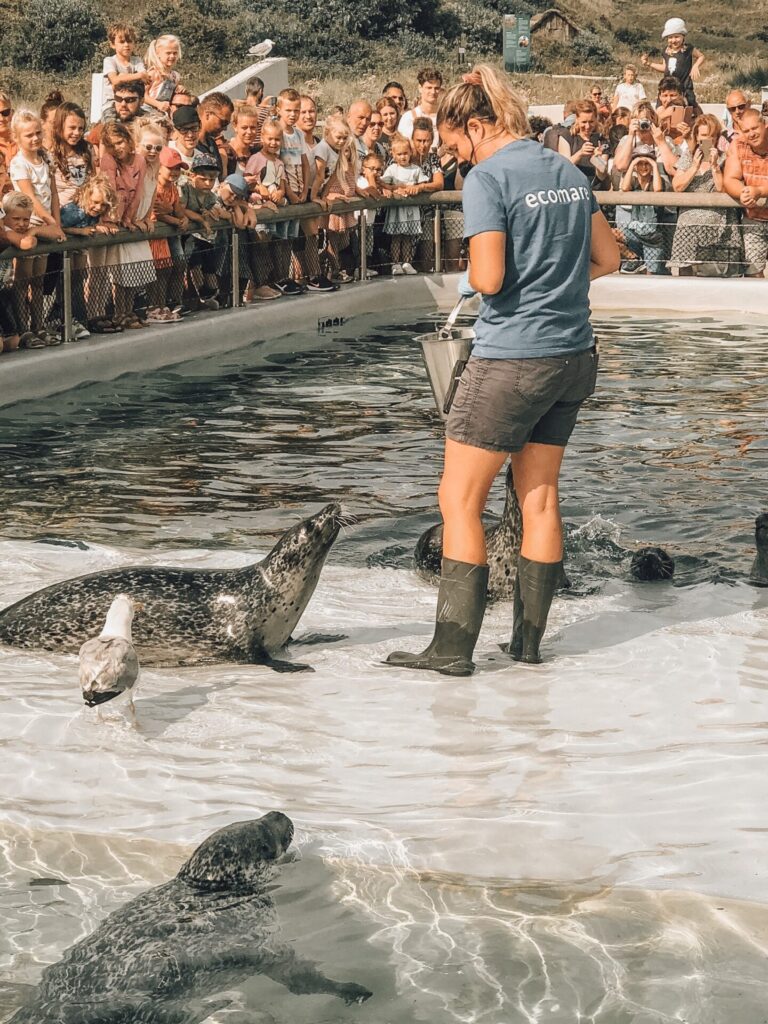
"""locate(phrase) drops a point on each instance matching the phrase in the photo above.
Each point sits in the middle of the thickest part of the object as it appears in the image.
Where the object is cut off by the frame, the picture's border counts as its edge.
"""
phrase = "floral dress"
(705, 235)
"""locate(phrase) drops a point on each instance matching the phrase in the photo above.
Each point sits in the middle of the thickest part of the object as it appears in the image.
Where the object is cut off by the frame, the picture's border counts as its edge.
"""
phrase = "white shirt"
(405, 124)
(629, 95)
(40, 176)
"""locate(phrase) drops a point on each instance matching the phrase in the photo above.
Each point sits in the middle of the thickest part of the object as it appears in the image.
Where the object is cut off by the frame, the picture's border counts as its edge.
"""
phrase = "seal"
(189, 615)
(156, 959)
(649, 565)
(502, 541)
(759, 571)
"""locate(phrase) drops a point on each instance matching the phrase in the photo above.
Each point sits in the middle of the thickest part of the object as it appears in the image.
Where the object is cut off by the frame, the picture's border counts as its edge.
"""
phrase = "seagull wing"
(108, 664)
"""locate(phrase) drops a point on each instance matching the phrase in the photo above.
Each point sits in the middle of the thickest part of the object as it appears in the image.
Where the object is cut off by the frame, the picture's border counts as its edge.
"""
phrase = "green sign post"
(517, 42)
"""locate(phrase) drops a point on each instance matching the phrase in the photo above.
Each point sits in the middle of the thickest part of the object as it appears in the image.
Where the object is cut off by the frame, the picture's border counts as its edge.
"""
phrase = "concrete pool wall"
(26, 376)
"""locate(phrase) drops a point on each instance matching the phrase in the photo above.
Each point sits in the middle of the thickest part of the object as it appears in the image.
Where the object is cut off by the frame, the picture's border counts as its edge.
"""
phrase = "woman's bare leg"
(536, 470)
(467, 478)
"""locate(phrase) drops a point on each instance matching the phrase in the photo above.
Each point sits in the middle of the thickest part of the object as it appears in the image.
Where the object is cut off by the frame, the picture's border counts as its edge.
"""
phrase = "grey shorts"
(502, 404)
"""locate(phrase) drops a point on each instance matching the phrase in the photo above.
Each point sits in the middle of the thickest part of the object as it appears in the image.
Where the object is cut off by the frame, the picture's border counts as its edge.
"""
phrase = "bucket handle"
(456, 372)
(444, 334)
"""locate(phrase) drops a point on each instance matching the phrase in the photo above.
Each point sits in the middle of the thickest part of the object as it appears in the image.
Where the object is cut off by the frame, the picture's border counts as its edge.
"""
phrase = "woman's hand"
(658, 134)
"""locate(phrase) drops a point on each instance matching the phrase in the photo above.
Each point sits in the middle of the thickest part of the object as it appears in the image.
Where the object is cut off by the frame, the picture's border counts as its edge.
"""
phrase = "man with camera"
(584, 146)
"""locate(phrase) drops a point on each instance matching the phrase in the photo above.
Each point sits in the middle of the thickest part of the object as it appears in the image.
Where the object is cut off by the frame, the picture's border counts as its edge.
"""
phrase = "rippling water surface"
(582, 841)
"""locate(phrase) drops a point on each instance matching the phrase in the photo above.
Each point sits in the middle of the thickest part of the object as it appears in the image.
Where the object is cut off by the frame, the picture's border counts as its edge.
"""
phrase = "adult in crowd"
(637, 227)
(671, 111)
(553, 134)
(372, 136)
(215, 113)
(245, 123)
(629, 92)
(536, 238)
(390, 115)
(584, 146)
(129, 98)
(745, 177)
(358, 118)
(8, 146)
(601, 103)
(705, 240)
(182, 97)
(736, 105)
(308, 124)
(430, 86)
(645, 138)
(395, 92)
(679, 60)
(186, 132)
(619, 128)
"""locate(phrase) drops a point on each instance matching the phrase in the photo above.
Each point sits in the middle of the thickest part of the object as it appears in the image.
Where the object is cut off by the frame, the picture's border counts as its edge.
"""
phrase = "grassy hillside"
(339, 49)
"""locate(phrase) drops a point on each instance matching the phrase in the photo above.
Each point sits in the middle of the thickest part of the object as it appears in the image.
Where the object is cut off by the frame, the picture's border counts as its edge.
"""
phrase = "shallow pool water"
(580, 841)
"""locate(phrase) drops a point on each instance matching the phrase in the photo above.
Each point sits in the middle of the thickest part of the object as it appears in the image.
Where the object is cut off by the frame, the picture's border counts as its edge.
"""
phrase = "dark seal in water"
(652, 564)
(189, 615)
(759, 571)
(156, 959)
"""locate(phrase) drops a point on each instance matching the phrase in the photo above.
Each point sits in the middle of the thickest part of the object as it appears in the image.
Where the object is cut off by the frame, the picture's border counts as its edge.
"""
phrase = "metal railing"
(432, 232)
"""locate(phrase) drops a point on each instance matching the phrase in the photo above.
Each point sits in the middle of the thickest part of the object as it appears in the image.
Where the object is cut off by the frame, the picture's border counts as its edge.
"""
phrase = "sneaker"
(322, 284)
(409, 269)
(79, 331)
(156, 316)
(397, 270)
(633, 268)
(343, 277)
(288, 287)
(265, 293)
(371, 273)
(210, 304)
(49, 338)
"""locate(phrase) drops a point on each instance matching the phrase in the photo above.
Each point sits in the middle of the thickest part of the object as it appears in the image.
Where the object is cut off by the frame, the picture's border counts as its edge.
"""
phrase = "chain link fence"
(108, 284)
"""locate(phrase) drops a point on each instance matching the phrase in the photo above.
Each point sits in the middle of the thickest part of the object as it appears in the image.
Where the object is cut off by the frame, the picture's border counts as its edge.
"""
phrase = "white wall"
(273, 72)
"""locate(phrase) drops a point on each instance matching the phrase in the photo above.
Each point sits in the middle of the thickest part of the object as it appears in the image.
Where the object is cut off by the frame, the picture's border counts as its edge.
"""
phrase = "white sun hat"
(674, 27)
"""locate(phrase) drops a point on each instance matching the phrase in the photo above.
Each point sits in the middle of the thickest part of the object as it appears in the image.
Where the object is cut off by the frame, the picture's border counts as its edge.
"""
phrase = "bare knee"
(455, 502)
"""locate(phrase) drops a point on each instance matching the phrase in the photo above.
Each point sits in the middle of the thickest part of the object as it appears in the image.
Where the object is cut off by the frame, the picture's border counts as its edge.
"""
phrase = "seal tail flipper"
(281, 666)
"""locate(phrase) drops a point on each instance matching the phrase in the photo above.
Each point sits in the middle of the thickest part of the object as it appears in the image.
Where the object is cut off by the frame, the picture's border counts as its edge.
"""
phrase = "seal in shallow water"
(502, 540)
(189, 615)
(155, 960)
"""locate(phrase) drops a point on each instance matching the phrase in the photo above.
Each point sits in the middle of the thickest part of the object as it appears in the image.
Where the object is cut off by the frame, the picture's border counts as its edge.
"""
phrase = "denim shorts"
(502, 404)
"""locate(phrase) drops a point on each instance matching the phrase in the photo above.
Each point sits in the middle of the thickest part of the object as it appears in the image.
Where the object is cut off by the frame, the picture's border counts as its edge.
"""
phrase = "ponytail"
(487, 95)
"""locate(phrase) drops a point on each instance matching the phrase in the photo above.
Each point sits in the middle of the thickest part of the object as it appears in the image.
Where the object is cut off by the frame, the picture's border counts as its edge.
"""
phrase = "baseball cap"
(238, 184)
(186, 117)
(204, 162)
(171, 159)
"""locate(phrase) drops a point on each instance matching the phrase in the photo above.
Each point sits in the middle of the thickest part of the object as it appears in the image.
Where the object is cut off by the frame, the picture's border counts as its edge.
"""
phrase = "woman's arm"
(604, 255)
(683, 179)
(658, 184)
(626, 178)
(487, 261)
(699, 59)
(622, 158)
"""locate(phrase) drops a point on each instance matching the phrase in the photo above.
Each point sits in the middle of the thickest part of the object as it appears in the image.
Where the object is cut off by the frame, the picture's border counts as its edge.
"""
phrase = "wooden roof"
(538, 19)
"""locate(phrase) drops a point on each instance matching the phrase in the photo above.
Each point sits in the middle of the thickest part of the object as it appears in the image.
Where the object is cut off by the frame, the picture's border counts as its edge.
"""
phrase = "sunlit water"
(580, 841)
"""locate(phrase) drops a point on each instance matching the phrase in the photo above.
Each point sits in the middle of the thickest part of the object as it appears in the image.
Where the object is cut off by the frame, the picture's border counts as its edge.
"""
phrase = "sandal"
(30, 340)
(101, 325)
(130, 322)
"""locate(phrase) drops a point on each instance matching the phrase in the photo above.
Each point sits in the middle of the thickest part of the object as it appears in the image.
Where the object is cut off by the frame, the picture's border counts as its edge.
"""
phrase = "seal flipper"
(280, 666)
(317, 638)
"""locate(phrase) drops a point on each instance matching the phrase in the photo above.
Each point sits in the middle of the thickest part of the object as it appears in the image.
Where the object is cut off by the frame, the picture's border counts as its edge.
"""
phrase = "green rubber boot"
(460, 610)
(534, 589)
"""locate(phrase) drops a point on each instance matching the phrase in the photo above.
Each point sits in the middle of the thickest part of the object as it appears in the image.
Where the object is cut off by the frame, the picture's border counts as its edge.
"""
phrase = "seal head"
(233, 858)
(649, 565)
(759, 572)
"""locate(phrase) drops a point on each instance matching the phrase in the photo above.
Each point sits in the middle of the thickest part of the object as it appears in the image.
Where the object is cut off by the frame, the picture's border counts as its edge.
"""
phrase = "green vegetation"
(341, 47)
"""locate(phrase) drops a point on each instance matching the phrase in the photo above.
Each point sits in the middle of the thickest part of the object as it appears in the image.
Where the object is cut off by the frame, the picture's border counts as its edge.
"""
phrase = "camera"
(644, 124)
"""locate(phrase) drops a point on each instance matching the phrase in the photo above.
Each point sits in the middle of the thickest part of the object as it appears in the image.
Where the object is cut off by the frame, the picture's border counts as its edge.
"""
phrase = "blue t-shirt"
(543, 205)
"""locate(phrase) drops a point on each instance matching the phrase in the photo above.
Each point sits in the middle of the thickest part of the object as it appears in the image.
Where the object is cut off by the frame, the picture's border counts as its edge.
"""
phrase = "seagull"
(109, 666)
(262, 49)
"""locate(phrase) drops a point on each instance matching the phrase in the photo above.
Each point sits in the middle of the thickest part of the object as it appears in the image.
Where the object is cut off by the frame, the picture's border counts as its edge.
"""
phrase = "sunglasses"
(7, 112)
(126, 99)
(376, 124)
(731, 110)
(149, 148)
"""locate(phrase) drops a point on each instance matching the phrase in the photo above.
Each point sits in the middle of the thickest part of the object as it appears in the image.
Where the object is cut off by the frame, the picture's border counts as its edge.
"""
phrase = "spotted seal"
(156, 959)
(502, 541)
(189, 615)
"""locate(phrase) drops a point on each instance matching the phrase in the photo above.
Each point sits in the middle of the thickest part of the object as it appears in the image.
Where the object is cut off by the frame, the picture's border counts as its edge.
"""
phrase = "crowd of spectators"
(159, 155)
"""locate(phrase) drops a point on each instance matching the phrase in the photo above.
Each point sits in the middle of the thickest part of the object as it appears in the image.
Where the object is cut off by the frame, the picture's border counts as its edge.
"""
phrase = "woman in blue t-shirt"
(536, 239)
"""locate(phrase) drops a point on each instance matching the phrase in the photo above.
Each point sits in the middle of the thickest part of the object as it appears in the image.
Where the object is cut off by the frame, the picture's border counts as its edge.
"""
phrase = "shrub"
(750, 78)
(588, 47)
(56, 36)
(636, 38)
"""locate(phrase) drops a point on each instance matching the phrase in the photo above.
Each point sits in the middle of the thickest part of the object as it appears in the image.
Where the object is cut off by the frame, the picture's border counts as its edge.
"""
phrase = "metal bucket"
(445, 355)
